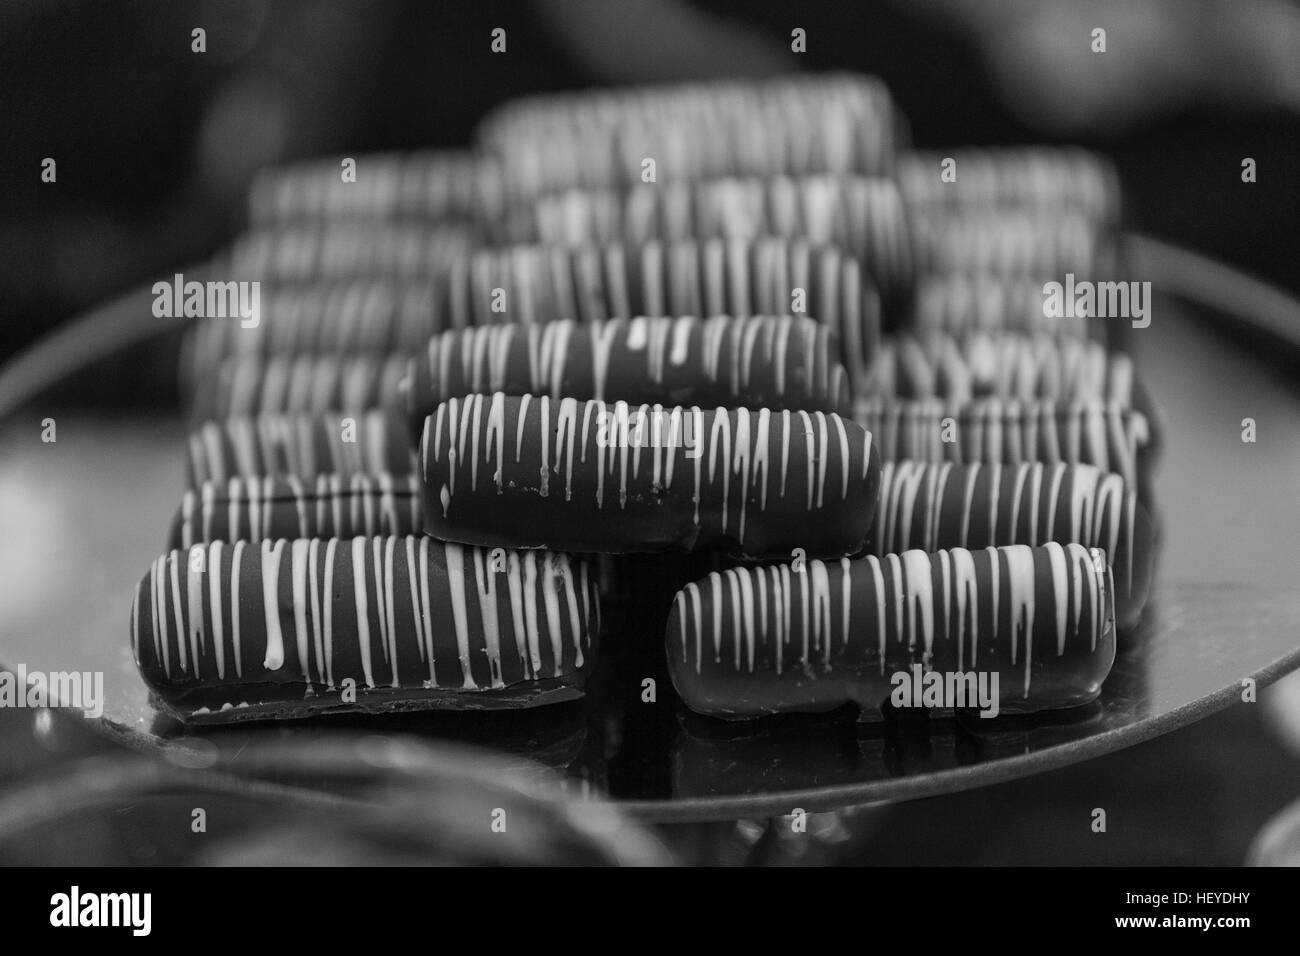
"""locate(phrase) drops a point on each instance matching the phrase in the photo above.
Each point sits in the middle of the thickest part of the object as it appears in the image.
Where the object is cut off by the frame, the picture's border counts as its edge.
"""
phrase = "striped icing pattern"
(763, 479)
(1038, 177)
(1105, 434)
(386, 612)
(796, 124)
(331, 506)
(960, 302)
(735, 277)
(1016, 241)
(1004, 365)
(862, 215)
(541, 283)
(834, 632)
(762, 361)
(930, 506)
(303, 445)
(336, 318)
(417, 185)
(347, 250)
(251, 384)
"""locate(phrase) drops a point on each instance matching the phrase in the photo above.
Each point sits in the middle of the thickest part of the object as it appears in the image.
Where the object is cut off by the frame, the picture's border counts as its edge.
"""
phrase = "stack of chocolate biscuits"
(732, 322)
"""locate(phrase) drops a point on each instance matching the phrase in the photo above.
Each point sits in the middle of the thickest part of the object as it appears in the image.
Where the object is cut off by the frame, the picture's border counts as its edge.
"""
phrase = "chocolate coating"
(774, 362)
(348, 250)
(764, 640)
(838, 123)
(933, 506)
(252, 384)
(293, 628)
(1050, 179)
(303, 445)
(421, 185)
(1041, 244)
(1000, 365)
(525, 472)
(994, 431)
(332, 506)
(339, 318)
(959, 302)
(862, 215)
(545, 283)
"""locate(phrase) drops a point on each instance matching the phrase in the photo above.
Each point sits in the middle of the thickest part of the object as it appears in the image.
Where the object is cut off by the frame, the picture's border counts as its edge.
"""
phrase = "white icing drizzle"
(548, 590)
(377, 556)
(174, 561)
(551, 601)
(733, 622)
(920, 601)
(966, 592)
(785, 447)
(194, 596)
(1101, 511)
(390, 606)
(485, 587)
(208, 494)
(528, 563)
(314, 595)
(1020, 577)
(566, 570)
(1091, 432)
(158, 614)
(298, 577)
(361, 607)
(426, 611)
(514, 584)
(736, 448)
(214, 599)
(235, 646)
(737, 616)
(271, 553)
(823, 633)
(456, 589)
(302, 445)
(135, 624)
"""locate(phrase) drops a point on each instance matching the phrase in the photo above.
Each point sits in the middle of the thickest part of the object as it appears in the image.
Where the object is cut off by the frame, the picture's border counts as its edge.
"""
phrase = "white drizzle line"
(298, 577)
(235, 574)
(173, 560)
(274, 658)
(361, 606)
(327, 587)
(194, 596)
(459, 611)
(390, 606)
(314, 594)
(737, 615)
(485, 588)
(214, 598)
(426, 610)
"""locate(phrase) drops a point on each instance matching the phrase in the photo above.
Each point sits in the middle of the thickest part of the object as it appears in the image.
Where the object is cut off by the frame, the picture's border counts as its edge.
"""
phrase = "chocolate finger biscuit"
(779, 363)
(1014, 629)
(281, 628)
(609, 477)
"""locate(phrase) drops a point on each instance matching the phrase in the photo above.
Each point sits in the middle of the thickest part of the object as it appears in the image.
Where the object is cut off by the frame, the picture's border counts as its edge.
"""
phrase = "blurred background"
(156, 146)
